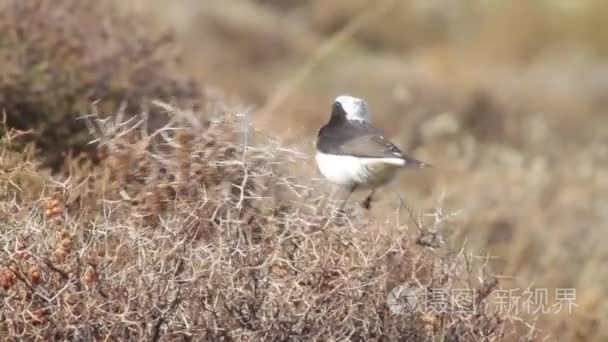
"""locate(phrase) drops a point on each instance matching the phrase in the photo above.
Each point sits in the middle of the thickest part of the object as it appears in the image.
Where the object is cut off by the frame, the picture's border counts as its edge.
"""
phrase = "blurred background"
(506, 98)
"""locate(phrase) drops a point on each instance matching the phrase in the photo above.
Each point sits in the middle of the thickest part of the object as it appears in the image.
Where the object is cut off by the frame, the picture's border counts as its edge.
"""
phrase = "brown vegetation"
(190, 230)
(179, 235)
(59, 57)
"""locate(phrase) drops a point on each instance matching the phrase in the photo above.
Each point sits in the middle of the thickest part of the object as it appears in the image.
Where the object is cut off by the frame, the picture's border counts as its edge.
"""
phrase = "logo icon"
(401, 300)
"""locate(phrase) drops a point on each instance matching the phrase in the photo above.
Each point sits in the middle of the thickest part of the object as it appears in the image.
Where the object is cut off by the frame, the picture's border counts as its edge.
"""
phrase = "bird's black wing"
(360, 139)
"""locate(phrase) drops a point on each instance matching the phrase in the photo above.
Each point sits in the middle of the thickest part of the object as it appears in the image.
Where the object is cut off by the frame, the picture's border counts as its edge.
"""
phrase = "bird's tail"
(415, 163)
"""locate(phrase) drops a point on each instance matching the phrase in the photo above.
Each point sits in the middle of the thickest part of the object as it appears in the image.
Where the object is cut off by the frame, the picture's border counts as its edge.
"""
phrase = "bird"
(355, 155)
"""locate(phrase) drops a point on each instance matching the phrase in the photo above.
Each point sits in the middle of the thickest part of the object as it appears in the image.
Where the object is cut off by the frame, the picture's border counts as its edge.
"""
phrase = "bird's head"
(351, 108)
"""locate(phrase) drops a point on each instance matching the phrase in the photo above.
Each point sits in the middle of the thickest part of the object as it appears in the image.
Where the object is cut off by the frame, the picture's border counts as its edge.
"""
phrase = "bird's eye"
(338, 110)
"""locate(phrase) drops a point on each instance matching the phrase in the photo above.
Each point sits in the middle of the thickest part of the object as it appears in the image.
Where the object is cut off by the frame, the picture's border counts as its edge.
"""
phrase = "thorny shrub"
(56, 57)
(195, 231)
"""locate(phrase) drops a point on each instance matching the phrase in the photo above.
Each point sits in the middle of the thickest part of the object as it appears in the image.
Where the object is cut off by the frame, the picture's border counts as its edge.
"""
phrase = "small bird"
(354, 154)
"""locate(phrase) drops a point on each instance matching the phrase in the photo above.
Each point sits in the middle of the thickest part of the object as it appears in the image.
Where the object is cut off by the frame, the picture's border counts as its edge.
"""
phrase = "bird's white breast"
(349, 170)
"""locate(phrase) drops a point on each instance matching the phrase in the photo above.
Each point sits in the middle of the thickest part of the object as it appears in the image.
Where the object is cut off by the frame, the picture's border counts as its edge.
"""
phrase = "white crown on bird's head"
(355, 108)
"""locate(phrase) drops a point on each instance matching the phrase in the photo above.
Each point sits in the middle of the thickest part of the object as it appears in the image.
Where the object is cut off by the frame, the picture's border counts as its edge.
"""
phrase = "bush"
(58, 56)
(189, 232)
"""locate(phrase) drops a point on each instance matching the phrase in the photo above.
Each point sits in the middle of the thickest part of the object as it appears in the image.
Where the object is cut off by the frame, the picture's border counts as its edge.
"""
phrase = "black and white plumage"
(353, 153)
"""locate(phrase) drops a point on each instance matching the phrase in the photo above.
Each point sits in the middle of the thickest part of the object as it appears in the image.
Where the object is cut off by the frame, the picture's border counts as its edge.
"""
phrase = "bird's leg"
(350, 192)
(367, 203)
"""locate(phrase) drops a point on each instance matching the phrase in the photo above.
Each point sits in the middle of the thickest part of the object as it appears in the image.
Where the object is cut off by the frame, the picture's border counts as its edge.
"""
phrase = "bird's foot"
(345, 211)
(367, 203)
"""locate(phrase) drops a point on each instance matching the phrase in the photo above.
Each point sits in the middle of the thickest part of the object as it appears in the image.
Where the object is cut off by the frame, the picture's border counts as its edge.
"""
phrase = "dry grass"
(180, 234)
